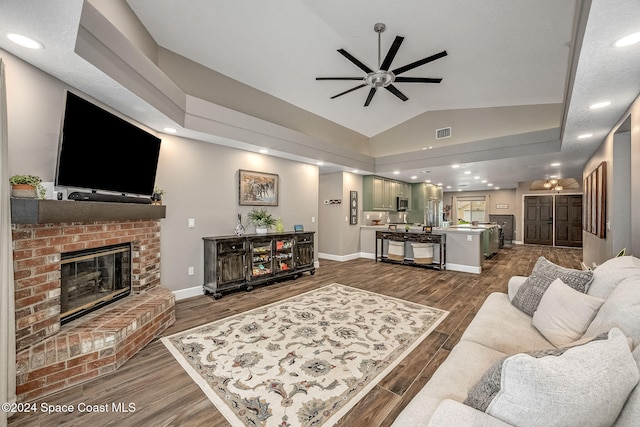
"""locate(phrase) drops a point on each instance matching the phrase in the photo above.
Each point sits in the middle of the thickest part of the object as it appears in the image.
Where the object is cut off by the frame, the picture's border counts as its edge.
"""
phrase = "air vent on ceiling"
(443, 133)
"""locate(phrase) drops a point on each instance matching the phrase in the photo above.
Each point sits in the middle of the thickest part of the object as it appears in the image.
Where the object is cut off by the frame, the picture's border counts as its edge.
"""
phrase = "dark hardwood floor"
(164, 395)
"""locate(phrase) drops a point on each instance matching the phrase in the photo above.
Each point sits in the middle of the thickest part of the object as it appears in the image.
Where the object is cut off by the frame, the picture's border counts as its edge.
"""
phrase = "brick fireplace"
(51, 356)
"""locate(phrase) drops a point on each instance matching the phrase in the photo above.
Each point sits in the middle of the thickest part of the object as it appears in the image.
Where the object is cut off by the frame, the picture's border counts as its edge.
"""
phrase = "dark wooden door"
(569, 220)
(538, 220)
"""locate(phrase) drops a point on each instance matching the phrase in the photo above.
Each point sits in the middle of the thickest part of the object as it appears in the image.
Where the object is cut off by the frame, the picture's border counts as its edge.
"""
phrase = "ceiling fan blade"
(419, 63)
(394, 90)
(417, 80)
(347, 91)
(392, 53)
(355, 61)
(339, 78)
(370, 97)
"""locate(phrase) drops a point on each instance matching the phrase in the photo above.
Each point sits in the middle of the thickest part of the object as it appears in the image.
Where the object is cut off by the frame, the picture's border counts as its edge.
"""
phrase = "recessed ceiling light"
(264, 150)
(455, 166)
(439, 184)
(467, 172)
(24, 41)
(448, 186)
(476, 177)
(585, 135)
(555, 164)
(414, 177)
(484, 181)
(319, 163)
(490, 185)
(170, 130)
(628, 40)
(396, 172)
(496, 188)
(355, 171)
(427, 181)
(553, 176)
(459, 189)
(600, 105)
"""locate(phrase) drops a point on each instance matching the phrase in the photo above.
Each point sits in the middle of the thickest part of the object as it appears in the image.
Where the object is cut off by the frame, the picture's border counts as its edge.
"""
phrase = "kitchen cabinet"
(233, 262)
(380, 193)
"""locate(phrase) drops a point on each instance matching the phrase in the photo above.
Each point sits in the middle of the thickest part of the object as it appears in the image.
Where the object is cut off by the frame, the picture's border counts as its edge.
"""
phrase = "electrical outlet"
(192, 222)
(313, 219)
(469, 238)
(191, 271)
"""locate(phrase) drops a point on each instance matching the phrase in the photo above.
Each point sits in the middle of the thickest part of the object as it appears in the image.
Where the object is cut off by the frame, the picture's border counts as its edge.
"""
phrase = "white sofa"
(502, 332)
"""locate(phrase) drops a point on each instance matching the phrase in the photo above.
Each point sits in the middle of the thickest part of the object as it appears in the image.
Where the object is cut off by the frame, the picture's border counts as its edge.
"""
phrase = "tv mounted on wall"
(100, 151)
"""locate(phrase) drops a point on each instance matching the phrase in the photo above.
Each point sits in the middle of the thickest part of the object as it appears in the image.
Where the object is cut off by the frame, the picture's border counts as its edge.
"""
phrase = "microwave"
(402, 204)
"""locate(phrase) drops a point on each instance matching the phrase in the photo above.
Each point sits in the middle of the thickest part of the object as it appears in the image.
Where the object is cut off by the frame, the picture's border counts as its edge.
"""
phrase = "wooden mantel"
(34, 211)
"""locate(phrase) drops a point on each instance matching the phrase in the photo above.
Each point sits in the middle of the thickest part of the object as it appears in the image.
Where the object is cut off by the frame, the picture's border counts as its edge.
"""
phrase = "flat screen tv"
(100, 151)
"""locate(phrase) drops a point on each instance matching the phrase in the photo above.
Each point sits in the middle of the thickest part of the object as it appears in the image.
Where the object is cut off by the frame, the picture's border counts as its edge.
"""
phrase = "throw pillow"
(564, 314)
(620, 310)
(582, 385)
(610, 273)
(544, 272)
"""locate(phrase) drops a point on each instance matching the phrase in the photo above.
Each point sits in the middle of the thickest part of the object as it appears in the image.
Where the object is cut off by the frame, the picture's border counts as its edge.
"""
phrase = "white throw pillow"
(564, 314)
(586, 385)
(620, 310)
(610, 273)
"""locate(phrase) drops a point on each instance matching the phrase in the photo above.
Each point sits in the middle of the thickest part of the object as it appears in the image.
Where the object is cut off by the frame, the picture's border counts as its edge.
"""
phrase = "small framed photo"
(257, 188)
(298, 227)
(393, 227)
(427, 229)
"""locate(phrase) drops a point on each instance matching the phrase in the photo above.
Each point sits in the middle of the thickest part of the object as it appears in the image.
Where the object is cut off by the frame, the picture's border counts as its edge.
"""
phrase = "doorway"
(553, 220)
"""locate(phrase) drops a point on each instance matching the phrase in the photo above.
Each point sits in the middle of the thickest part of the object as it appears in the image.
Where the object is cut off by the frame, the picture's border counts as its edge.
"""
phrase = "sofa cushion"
(504, 328)
(583, 385)
(543, 273)
(564, 314)
(452, 413)
(609, 274)
(631, 412)
(462, 368)
(620, 310)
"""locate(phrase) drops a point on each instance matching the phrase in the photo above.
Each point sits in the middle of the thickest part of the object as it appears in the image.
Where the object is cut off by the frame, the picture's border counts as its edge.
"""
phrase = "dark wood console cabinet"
(232, 262)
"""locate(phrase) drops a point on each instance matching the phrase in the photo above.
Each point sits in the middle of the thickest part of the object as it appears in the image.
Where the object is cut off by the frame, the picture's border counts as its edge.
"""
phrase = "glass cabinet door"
(283, 255)
(261, 259)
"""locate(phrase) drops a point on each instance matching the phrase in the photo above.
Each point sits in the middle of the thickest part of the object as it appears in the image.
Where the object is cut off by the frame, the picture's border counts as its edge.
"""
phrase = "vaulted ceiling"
(517, 80)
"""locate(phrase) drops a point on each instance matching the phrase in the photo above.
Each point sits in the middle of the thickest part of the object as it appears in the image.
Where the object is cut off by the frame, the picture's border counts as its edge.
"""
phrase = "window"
(470, 210)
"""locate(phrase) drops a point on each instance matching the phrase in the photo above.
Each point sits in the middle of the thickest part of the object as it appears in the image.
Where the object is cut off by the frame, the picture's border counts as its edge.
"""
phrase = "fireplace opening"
(93, 278)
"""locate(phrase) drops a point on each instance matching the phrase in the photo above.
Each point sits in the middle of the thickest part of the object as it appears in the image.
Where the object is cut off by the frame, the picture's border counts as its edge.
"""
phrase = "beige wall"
(200, 178)
(623, 192)
(338, 239)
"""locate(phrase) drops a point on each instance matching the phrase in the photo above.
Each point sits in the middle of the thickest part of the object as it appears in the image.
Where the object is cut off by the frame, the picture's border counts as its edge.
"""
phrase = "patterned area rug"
(303, 361)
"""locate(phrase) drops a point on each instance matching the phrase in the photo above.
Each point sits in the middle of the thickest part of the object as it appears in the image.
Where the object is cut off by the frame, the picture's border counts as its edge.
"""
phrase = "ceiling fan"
(383, 77)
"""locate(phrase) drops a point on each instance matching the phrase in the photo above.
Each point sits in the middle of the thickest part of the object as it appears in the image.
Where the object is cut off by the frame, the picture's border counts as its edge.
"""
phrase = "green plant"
(31, 180)
(261, 218)
(159, 191)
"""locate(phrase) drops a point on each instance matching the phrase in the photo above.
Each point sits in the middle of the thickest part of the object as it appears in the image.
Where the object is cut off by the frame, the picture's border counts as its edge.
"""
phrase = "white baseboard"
(340, 258)
(517, 242)
(464, 268)
(367, 255)
(188, 293)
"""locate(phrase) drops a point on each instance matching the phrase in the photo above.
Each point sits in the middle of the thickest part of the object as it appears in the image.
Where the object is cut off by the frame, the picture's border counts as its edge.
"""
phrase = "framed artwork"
(594, 200)
(353, 207)
(427, 229)
(258, 188)
(298, 228)
(393, 227)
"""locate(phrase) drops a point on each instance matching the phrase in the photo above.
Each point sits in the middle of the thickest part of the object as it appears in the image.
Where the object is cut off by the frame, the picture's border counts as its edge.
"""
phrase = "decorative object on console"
(298, 228)
(257, 188)
(27, 186)
(311, 357)
(239, 228)
(279, 225)
(262, 220)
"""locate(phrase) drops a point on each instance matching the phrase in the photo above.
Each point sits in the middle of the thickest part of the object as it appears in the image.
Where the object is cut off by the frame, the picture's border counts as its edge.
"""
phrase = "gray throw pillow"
(544, 273)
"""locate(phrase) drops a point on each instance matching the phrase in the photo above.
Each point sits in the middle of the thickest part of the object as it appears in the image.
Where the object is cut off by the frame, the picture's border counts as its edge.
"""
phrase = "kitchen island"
(466, 246)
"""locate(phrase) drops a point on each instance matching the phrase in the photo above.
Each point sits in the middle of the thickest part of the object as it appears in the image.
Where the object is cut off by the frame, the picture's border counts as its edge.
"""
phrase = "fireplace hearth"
(93, 278)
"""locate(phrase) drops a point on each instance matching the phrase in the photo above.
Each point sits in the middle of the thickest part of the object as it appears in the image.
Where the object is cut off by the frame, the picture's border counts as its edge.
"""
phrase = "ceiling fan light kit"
(383, 77)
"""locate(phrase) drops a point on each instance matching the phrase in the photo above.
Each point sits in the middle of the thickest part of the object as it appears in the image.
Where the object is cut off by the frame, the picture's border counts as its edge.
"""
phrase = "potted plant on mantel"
(262, 220)
(27, 187)
(156, 197)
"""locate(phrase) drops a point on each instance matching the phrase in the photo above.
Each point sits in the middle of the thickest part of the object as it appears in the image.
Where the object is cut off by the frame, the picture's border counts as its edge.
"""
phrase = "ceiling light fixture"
(264, 150)
(555, 164)
(600, 105)
(396, 172)
(170, 130)
(628, 40)
(24, 41)
(553, 185)
(319, 163)
(585, 135)
(455, 166)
